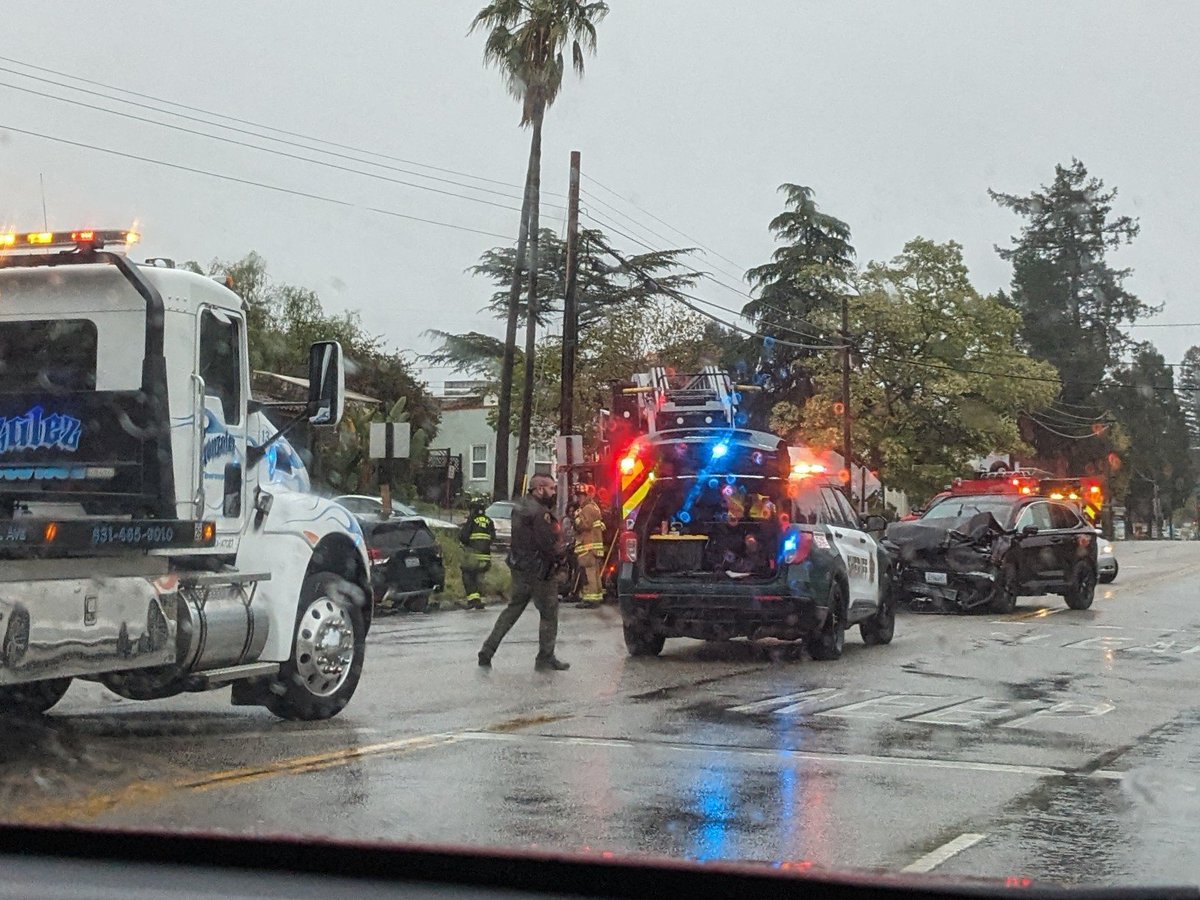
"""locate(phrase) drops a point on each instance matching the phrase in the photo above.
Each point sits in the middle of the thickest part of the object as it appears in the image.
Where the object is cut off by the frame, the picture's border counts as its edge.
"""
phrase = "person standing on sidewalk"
(476, 536)
(534, 557)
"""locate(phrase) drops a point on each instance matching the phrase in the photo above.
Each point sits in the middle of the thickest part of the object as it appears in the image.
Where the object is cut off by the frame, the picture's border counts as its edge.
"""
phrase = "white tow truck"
(156, 530)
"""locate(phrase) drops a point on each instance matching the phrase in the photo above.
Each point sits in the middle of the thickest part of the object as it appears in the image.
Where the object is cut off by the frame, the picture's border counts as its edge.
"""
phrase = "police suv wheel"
(641, 641)
(830, 641)
(32, 699)
(328, 647)
(1083, 587)
(881, 627)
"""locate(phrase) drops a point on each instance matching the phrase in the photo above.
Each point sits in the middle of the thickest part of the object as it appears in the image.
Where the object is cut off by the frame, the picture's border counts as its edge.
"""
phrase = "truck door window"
(220, 363)
(48, 354)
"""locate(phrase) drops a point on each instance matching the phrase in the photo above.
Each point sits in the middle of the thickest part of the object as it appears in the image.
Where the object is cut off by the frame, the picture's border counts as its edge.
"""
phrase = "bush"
(496, 582)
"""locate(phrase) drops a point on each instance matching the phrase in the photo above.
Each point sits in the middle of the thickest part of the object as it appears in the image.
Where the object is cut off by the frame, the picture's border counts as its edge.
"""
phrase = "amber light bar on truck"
(55, 240)
(104, 536)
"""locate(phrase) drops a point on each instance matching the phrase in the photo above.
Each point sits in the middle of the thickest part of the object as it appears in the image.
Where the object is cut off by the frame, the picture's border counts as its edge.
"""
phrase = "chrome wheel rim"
(324, 647)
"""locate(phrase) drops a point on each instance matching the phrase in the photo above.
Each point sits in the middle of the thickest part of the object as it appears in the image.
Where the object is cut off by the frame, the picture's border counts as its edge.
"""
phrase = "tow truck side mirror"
(326, 383)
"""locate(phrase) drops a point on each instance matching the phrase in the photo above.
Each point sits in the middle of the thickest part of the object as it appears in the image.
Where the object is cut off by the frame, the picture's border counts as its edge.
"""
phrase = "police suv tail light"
(796, 547)
(629, 550)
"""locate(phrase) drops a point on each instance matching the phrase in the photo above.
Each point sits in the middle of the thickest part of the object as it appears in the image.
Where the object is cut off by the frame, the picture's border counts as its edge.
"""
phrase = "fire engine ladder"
(704, 398)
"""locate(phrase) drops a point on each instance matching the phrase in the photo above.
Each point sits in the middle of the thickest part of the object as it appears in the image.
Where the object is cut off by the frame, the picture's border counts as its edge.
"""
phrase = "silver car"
(1106, 569)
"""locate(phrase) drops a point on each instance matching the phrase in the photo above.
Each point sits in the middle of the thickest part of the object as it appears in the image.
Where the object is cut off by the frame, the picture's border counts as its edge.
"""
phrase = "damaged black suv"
(986, 550)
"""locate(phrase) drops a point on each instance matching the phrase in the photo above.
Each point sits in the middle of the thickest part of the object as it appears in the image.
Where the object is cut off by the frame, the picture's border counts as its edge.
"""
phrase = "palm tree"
(526, 42)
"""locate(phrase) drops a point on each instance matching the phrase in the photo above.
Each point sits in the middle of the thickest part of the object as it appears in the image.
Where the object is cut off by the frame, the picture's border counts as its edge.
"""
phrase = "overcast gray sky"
(898, 114)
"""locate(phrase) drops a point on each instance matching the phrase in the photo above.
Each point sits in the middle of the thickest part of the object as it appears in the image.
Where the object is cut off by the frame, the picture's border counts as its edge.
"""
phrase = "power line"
(690, 302)
(273, 151)
(1166, 325)
(665, 224)
(643, 244)
(1070, 437)
(248, 182)
(228, 118)
(741, 292)
(648, 230)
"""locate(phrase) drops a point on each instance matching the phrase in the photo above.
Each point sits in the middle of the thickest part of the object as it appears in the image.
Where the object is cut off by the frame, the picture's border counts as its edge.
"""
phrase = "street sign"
(389, 440)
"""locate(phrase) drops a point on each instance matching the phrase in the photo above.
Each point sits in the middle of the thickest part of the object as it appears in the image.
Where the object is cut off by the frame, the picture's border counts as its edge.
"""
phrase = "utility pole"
(566, 417)
(845, 334)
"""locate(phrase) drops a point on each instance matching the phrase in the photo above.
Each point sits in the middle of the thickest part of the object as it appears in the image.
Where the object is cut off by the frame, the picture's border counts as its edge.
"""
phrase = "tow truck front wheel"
(327, 652)
(33, 699)
(830, 641)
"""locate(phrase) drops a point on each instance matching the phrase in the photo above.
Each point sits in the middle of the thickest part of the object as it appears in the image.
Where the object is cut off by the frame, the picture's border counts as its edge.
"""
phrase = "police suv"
(727, 539)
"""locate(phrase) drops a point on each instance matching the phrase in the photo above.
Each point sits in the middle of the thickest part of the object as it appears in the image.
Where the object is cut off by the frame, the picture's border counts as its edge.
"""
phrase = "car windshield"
(959, 509)
(731, 316)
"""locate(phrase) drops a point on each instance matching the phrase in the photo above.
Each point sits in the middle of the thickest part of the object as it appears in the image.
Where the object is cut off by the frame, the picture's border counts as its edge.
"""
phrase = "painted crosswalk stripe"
(939, 855)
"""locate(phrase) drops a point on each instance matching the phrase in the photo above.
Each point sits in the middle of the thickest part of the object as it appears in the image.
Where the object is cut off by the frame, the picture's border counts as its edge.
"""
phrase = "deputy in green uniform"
(476, 536)
(534, 558)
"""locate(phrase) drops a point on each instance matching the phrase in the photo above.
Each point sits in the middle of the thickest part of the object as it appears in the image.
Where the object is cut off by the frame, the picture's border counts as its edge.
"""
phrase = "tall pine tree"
(1074, 305)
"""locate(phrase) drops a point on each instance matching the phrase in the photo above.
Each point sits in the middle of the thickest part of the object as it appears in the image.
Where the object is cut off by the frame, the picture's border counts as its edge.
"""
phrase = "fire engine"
(1085, 492)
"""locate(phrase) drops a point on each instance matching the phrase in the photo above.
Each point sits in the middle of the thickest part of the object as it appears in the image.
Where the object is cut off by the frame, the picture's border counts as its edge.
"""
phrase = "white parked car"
(372, 507)
(1106, 562)
(501, 513)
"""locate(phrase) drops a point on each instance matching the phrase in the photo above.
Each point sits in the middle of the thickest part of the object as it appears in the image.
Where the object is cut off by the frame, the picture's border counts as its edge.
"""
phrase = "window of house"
(479, 460)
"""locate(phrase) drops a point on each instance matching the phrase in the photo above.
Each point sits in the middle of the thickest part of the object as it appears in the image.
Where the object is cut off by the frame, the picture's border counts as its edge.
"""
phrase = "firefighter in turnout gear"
(589, 549)
(476, 536)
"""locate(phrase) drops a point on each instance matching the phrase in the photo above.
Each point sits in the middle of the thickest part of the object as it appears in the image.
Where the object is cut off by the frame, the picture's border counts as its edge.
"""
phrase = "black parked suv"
(406, 562)
(986, 550)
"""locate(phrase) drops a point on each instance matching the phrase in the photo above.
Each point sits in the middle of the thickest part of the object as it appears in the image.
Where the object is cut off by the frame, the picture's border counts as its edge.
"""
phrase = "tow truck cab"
(730, 541)
(156, 533)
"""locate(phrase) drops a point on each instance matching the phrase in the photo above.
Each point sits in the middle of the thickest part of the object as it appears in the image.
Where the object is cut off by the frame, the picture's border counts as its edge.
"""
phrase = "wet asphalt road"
(1050, 744)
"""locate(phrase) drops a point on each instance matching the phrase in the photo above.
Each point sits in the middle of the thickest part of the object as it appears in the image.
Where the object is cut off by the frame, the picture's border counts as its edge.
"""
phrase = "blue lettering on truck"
(37, 431)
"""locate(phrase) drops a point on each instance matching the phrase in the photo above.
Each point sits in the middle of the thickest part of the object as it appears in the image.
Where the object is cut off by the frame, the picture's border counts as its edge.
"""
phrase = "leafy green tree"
(937, 379)
(284, 320)
(625, 322)
(1074, 305)
(799, 294)
(526, 41)
(1156, 460)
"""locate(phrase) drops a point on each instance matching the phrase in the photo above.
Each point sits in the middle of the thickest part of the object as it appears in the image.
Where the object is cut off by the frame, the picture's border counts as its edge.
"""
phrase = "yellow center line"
(146, 792)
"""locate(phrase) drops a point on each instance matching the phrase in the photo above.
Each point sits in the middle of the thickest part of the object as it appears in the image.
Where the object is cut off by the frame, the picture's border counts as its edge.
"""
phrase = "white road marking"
(852, 759)
(889, 706)
(1069, 709)
(936, 857)
(796, 700)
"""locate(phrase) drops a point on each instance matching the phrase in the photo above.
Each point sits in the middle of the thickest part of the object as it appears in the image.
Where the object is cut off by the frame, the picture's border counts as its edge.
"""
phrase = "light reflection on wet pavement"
(1053, 744)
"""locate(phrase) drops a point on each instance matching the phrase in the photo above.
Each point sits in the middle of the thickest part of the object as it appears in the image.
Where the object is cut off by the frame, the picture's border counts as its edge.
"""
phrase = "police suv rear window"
(47, 355)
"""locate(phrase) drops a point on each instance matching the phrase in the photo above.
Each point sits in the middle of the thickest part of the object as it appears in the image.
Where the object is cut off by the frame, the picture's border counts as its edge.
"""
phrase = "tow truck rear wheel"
(830, 641)
(641, 641)
(33, 699)
(327, 652)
